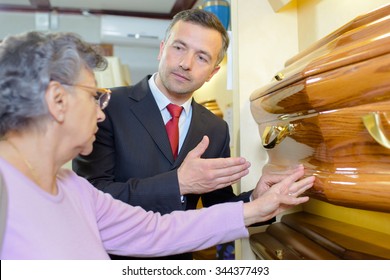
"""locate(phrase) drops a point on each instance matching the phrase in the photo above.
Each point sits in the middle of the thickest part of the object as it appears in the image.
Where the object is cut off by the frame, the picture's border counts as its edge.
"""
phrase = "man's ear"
(56, 100)
(215, 71)
(162, 45)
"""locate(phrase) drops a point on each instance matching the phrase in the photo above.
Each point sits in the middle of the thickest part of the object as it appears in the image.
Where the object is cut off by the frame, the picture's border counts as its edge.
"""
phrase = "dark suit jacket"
(132, 158)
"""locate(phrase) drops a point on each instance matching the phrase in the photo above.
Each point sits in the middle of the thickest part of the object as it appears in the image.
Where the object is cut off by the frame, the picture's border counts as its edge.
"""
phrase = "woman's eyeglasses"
(102, 96)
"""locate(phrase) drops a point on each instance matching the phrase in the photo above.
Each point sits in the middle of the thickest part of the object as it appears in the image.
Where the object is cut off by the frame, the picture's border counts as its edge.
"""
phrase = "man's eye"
(203, 59)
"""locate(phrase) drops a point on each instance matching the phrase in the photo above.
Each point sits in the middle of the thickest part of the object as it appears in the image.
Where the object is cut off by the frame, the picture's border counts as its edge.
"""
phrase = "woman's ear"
(56, 100)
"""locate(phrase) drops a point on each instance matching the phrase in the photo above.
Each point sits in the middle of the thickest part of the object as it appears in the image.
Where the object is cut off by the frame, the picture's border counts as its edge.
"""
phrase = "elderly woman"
(49, 111)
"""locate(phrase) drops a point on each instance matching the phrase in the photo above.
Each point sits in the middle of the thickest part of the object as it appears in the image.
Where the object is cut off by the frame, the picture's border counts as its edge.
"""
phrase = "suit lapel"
(147, 112)
(195, 133)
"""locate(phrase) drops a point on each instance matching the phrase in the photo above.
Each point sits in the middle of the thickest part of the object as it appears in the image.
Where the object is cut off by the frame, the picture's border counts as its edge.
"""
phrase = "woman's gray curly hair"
(28, 62)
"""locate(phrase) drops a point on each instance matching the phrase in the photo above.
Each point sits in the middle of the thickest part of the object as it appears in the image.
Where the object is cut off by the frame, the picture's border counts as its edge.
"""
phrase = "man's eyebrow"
(178, 41)
(206, 53)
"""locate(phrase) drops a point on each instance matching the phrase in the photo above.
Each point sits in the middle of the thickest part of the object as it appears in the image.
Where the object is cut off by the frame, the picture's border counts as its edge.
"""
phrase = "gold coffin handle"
(274, 134)
(373, 124)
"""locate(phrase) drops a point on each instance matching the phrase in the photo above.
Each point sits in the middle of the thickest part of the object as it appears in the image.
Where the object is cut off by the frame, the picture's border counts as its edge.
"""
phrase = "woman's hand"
(277, 193)
(271, 177)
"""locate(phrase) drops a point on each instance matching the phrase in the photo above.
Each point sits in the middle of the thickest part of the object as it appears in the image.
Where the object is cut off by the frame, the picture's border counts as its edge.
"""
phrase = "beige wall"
(262, 41)
(318, 18)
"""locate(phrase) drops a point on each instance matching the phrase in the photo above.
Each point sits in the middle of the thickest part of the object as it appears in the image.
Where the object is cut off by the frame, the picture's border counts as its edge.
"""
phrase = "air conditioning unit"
(133, 31)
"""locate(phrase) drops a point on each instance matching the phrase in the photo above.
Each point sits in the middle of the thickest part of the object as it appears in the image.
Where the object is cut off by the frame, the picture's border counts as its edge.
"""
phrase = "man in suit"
(132, 158)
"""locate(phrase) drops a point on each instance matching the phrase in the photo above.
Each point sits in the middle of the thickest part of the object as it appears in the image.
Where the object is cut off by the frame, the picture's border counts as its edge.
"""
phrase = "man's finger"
(198, 151)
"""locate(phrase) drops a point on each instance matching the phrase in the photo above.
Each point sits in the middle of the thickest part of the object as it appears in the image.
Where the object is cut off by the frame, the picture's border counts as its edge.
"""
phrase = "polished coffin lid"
(330, 110)
(351, 46)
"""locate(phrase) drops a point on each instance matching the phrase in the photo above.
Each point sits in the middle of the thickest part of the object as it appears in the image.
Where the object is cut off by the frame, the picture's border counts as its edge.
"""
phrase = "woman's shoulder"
(71, 181)
(68, 174)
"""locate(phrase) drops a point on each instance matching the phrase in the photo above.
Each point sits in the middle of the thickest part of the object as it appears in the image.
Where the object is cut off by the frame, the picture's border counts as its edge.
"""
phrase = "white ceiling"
(154, 6)
(146, 7)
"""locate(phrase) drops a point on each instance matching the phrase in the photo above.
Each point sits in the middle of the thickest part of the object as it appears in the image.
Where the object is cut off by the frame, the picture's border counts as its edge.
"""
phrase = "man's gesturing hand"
(197, 175)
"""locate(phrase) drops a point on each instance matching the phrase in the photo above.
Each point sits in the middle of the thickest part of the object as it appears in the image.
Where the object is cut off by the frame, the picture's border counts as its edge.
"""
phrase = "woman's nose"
(100, 115)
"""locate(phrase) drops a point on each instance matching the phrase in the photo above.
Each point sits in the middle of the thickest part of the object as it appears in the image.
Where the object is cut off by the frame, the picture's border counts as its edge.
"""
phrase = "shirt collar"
(161, 100)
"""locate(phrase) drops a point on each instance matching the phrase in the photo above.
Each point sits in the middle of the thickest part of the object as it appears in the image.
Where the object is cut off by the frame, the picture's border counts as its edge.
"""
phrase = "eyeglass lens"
(102, 99)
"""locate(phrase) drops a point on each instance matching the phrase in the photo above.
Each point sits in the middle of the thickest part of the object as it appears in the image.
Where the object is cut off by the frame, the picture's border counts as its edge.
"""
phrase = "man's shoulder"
(120, 91)
(136, 91)
(200, 110)
(120, 96)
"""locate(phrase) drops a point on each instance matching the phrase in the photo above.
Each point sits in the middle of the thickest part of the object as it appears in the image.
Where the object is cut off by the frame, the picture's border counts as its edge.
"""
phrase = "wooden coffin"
(329, 109)
(304, 236)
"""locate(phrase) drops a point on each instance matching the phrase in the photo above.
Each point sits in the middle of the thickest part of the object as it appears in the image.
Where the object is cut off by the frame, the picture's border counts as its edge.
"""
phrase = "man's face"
(187, 59)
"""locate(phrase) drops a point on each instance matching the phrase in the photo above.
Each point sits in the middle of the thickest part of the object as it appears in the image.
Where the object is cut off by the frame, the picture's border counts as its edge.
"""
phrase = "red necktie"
(172, 127)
